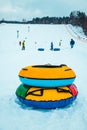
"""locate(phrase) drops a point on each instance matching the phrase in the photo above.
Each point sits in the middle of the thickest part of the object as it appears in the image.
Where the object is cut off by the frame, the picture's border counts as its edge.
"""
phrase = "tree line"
(76, 18)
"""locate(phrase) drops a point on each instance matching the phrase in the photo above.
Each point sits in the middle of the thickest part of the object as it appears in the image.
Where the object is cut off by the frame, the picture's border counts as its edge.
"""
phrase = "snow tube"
(47, 98)
(56, 49)
(40, 49)
(47, 75)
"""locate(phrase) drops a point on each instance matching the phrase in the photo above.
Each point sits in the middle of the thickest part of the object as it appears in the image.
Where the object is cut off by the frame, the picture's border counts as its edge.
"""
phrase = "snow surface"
(14, 115)
(77, 32)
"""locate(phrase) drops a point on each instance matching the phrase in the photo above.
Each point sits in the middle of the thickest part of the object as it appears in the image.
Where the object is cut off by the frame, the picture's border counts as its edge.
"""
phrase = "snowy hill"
(15, 116)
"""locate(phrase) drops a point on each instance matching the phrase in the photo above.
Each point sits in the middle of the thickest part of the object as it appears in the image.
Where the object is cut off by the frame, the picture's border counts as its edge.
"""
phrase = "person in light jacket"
(23, 45)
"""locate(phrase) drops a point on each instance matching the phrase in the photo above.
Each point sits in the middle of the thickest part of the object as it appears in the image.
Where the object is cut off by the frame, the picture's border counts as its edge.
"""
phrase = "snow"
(13, 114)
(78, 32)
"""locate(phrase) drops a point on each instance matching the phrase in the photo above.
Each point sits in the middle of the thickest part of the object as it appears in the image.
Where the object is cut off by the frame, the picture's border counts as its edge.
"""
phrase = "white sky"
(28, 9)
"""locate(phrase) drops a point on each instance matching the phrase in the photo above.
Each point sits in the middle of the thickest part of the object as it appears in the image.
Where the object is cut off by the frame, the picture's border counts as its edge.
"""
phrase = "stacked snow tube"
(47, 86)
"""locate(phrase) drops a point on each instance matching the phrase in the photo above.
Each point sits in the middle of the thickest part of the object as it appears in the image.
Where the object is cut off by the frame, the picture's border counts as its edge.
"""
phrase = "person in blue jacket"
(72, 43)
(51, 46)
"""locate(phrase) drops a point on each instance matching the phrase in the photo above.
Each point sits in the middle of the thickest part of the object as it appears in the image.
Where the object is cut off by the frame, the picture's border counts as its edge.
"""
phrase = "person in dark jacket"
(51, 46)
(20, 43)
(72, 43)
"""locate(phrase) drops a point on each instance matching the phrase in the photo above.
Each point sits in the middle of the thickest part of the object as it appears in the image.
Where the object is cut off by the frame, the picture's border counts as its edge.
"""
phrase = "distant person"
(17, 33)
(28, 28)
(60, 42)
(20, 43)
(23, 45)
(72, 43)
(51, 46)
(35, 42)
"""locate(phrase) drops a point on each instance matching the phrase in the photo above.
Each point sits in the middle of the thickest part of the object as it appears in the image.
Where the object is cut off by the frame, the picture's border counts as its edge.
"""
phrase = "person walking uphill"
(23, 45)
(72, 43)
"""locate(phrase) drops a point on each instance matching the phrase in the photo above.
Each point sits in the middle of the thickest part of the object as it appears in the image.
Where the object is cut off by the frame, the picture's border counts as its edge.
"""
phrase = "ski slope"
(14, 115)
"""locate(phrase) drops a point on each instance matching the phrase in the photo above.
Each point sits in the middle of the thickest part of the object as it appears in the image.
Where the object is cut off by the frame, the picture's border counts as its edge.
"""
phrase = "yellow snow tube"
(48, 94)
(47, 72)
